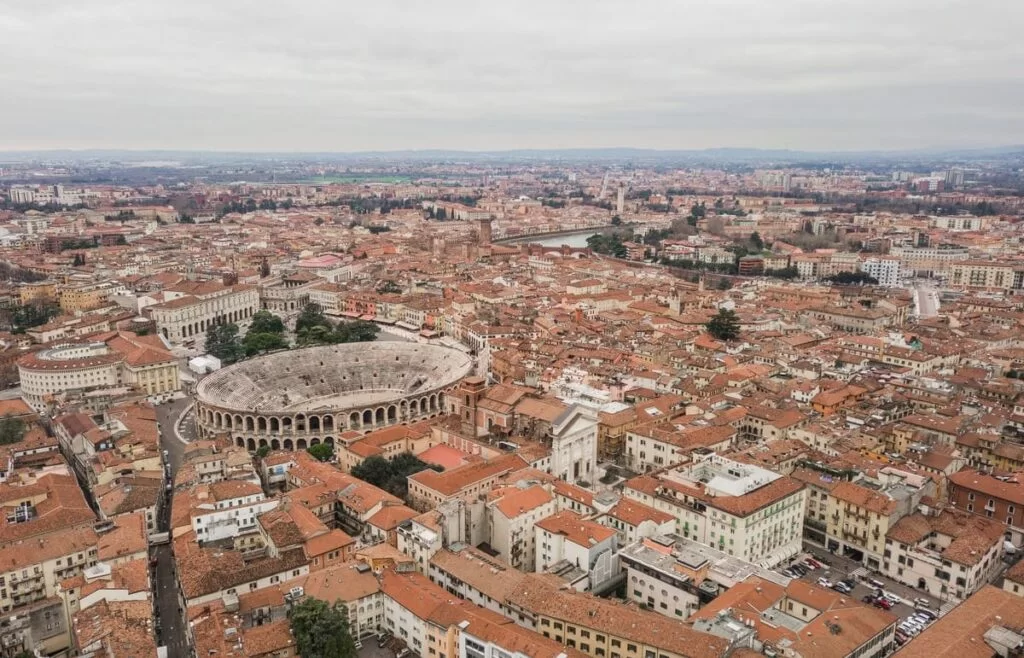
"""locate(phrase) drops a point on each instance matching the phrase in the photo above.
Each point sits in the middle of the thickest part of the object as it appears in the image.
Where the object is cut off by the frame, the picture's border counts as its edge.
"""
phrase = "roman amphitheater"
(295, 399)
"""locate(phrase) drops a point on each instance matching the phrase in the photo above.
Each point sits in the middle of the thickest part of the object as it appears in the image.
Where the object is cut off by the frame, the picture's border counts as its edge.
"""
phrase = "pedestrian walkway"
(859, 572)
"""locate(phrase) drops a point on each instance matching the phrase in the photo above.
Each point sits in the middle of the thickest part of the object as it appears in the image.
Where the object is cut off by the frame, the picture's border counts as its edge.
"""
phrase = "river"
(578, 240)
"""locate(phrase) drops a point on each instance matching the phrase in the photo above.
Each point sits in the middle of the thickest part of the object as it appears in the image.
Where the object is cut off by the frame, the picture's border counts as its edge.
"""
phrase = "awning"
(406, 325)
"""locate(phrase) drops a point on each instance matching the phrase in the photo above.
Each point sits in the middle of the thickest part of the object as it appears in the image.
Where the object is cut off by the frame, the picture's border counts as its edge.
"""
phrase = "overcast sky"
(341, 75)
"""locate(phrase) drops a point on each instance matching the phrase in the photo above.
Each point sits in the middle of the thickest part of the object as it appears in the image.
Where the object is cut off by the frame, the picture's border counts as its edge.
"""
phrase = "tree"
(79, 260)
(852, 278)
(391, 476)
(223, 342)
(756, 242)
(255, 343)
(265, 322)
(716, 226)
(319, 221)
(610, 244)
(321, 630)
(616, 221)
(389, 287)
(263, 451)
(725, 325)
(311, 316)
(12, 430)
(321, 451)
(33, 314)
(358, 331)
(318, 335)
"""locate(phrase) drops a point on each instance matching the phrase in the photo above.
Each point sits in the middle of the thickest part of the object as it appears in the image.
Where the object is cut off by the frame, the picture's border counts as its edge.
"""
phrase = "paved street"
(165, 588)
(837, 568)
(927, 300)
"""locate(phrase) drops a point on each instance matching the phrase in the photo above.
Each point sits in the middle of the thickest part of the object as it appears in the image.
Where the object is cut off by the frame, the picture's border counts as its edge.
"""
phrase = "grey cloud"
(390, 74)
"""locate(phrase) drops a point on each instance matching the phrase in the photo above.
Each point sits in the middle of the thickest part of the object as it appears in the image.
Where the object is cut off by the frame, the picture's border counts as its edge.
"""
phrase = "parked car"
(816, 564)
(842, 587)
(810, 565)
(867, 598)
(883, 603)
(932, 615)
(825, 582)
(923, 602)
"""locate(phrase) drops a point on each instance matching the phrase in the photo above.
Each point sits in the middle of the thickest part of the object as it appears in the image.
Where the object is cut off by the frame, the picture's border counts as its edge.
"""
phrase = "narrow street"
(169, 623)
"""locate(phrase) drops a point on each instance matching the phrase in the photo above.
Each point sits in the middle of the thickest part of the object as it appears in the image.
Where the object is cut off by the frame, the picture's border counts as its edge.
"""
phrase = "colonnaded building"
(192, 308)
(298, 398)
(118, 359)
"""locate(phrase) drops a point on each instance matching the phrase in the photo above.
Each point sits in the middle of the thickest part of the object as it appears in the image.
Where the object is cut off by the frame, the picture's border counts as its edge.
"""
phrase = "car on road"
(842, 587)
(921, 601)
(883, 603)
(811, 560)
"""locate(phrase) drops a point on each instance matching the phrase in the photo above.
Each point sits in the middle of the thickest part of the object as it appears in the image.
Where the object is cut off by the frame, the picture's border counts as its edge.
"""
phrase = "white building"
(567, 539)
(888, 271)
(193, 307)
(574, 444)
(228, 509)
(743, 510)
(675, 576)
(948, 553)
(512, 517)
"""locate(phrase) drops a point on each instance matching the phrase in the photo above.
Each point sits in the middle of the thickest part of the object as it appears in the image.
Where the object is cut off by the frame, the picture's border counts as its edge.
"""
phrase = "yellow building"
(39, 290)
(857, 520)
(77, 298)
(987, 274)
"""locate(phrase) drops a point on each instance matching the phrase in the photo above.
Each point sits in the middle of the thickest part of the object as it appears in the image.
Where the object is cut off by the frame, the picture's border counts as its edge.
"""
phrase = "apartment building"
(675, 576)
(797, 619)
(986, 624)
(741, 509)
(512, 514)
(583, 551)
(887, 271)
(1002, 275)
(594, 626)
(996, 497)
(428, 489)
(116, 359)
(948, 553)
(930, 261)
(224, 510)
(78, 298)
(860, 515)
(29, 576)
(661, 444)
